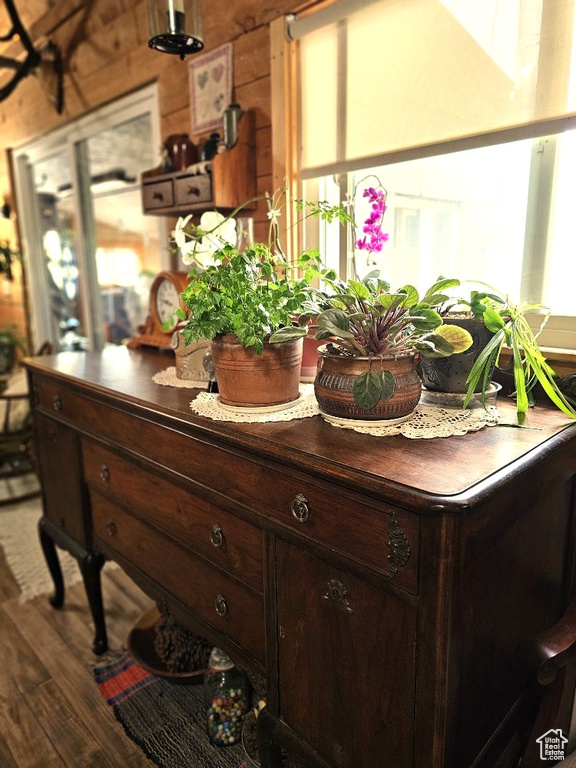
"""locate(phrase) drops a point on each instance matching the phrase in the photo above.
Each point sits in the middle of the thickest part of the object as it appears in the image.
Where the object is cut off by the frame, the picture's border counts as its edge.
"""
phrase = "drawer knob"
(216, 536)
(105, 473)
(57, 403)
(111, 529)
(52, 434)
(220, 605)
(157, 196)
(299, 508)
(193, 191)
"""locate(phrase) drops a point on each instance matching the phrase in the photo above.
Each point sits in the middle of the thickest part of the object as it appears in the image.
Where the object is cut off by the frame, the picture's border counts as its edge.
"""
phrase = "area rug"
(164, 719)
(21, 544)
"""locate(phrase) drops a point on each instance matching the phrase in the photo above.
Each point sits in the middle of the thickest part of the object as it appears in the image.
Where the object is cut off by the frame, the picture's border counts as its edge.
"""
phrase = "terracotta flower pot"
(247, 379)
(336, 375)
(449, 374)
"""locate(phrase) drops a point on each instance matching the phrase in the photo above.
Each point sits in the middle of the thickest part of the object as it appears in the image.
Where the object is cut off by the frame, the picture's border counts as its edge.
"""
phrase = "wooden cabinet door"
(59, 459)
(346, 663)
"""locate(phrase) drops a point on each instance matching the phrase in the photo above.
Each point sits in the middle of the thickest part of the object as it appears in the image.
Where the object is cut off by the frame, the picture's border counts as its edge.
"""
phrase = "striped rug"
(164, 719)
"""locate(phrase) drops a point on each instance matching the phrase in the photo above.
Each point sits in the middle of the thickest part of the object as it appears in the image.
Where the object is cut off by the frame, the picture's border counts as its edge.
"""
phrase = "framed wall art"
(210, 84)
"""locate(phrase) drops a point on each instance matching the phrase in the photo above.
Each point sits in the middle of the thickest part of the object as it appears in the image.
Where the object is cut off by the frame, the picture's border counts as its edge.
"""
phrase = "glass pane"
(128, 252)
(460, 215)
(560, 275)
(58, 233)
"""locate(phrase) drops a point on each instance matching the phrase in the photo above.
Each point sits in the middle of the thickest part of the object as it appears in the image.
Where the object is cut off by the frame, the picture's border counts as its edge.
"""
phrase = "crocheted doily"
(168, 378)
(426, 421)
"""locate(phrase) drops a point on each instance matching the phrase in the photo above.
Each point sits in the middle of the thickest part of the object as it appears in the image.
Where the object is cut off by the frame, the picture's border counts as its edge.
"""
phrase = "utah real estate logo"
(552, 744)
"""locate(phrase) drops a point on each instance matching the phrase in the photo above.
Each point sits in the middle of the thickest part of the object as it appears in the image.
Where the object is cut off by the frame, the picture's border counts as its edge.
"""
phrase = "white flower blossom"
(274, 214)
(220, 231)
(178, 235)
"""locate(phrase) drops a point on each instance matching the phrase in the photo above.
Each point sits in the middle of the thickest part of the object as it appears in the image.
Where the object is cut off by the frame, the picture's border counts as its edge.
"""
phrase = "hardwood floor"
(51, 712)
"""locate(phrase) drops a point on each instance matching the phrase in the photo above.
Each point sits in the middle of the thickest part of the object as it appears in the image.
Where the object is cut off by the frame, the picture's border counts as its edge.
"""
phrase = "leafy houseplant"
(10, 340)
(506, 326)
(244, 302)
(365, 320)
(528, 365)
(451, 374)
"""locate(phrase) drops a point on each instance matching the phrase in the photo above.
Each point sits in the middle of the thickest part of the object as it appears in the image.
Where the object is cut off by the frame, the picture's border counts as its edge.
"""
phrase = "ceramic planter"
(449, 374)
(251, 380)
(336, 375)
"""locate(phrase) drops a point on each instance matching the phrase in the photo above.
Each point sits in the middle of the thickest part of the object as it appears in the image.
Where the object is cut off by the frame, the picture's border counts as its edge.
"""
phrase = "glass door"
(90, 252)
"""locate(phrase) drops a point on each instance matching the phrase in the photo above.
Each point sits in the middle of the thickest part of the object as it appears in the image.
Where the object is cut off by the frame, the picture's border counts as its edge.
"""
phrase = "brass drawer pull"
(299, 508)
(157, 196)
(216, 536)
(111, 529)
(57, 403)
(220, 605)
(104, 473)
(193, 191)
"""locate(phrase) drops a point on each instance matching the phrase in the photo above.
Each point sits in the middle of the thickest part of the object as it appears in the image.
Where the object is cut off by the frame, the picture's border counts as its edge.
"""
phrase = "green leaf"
(426, 320)
(388, 385)
(458, 337)
(439, 287)
(335, 322)
(367, 389)
(359, 289)
(287, 333)
(391, 300)
(433, 345)
(411, 296)
(492, 320)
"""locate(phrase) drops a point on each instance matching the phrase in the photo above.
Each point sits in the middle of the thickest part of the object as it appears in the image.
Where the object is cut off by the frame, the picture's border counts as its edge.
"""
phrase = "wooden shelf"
(224, 183)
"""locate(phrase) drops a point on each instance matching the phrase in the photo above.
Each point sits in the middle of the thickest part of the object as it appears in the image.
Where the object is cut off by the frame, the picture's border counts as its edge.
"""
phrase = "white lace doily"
(207, 404)
(433, 421)
(168, 378)
(427, 420)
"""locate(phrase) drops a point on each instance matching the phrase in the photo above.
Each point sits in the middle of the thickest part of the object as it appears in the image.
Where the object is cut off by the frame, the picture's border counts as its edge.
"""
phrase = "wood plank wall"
(105, 51)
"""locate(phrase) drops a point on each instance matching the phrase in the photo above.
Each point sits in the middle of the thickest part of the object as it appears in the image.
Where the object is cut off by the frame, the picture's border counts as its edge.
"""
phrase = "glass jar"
(226, 697)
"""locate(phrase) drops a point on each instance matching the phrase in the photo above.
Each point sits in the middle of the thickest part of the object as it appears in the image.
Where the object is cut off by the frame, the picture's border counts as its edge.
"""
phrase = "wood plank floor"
(51, 712)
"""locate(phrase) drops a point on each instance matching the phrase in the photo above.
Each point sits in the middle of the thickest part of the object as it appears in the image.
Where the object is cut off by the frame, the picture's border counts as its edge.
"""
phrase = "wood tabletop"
(459, 468)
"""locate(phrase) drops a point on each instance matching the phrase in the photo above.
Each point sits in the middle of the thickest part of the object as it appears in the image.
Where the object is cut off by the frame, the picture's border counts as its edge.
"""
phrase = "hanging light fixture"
(46, 63)
(175, 26)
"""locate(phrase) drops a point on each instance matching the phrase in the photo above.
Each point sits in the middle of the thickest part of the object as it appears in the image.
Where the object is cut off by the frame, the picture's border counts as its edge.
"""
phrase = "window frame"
(558, 339)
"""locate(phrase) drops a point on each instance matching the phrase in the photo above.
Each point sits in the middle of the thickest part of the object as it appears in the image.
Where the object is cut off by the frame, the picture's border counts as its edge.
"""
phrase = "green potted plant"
(511, 330)
(375, 336)
(497, 326)
(244, 302)
(10, 340)
(450, 374)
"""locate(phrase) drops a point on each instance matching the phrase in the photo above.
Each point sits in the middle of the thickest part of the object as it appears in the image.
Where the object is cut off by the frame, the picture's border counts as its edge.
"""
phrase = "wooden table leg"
(91, 566)
(51, 557)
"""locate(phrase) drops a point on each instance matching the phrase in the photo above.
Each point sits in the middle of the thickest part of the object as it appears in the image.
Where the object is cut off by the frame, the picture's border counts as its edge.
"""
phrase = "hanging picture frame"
(210, 86)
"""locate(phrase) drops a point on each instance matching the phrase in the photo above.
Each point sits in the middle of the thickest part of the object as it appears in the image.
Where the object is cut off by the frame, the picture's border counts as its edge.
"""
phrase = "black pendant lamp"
(175, 26)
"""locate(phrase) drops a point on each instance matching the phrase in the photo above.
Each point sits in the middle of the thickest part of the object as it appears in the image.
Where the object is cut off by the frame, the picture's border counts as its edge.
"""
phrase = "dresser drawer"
(224, 539)
(190, 190)
(226, 604)
(372, 533)
(58, 447)
(157, 195)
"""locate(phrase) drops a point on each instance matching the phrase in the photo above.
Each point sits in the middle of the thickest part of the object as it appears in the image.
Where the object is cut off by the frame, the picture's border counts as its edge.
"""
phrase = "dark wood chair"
(552, 656)
(17, 455)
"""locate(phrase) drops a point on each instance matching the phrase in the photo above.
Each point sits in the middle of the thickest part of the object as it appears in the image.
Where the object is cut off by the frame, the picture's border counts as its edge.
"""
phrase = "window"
(90, 252)
(465, 112)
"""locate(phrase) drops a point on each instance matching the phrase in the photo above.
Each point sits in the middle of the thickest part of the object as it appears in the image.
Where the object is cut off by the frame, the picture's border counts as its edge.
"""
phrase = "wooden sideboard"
(383, 585)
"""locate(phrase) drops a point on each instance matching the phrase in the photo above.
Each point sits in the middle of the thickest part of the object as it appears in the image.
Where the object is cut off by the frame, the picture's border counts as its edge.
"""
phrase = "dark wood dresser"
(383, 585)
